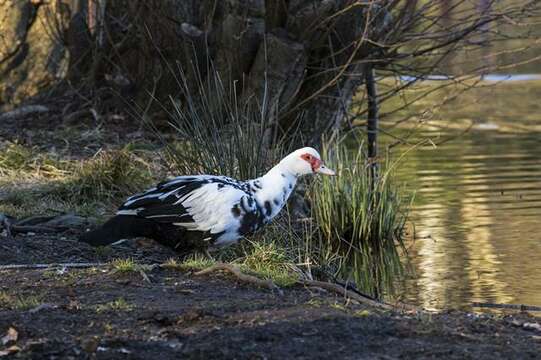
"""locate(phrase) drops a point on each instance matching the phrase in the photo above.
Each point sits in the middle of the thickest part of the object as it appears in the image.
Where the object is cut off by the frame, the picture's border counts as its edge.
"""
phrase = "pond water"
(477, 209)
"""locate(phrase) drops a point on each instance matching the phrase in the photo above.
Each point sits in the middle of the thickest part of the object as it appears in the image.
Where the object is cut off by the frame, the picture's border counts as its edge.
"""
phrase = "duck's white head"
(305, 161)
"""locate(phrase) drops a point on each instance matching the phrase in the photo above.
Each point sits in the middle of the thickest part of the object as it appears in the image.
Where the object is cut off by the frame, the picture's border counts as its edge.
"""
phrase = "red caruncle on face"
(314, 162)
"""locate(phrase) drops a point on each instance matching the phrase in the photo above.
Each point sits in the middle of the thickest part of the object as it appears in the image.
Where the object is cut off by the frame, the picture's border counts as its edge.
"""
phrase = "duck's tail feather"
(119, 227)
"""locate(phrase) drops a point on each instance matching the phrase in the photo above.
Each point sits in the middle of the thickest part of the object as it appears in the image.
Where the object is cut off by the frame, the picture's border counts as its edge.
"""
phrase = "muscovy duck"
(205, 211)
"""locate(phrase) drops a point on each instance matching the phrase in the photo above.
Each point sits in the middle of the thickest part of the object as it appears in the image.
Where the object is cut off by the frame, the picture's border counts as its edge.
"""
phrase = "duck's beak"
(322, 169)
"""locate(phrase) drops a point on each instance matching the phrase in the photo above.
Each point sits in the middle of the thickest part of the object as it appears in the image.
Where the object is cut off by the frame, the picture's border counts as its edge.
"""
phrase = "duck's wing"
(214, 204)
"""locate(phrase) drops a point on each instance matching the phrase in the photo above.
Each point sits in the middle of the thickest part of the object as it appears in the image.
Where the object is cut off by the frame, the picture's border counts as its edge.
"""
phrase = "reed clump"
(360, 222)
(219, 133)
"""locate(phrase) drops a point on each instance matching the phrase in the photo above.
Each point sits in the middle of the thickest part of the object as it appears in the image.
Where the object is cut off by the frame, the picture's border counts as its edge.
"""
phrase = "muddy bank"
(105, 314)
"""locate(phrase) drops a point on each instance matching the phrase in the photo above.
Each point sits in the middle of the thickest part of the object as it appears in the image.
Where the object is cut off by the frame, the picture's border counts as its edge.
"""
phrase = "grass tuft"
(219, 133)
(125, 265)
(269, 261)
(36, 183)
(117, 305)
(192, 263)
(108, 174)
(17, 160)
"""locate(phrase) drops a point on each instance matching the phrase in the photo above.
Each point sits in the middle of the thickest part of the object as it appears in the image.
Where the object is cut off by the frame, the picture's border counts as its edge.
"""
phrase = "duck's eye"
(306, 157)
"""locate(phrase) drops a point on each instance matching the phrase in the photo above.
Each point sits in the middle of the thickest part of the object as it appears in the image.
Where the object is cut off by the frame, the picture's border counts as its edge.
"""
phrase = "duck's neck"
(273, 189)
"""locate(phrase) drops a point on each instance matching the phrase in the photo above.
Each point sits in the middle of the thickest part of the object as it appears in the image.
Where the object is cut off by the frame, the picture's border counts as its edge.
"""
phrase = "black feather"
(268, 208)
(120, 227)
(125, 226)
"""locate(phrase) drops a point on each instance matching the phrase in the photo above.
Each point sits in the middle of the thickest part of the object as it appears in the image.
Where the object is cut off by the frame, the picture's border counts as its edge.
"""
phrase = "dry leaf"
(11, 336)
(74, 305)
(90, 345)
(10, 350)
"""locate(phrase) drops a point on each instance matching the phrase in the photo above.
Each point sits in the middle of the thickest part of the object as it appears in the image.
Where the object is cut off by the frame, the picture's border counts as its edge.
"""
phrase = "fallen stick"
(52, 265)
(23, 226)
(239, 274)
(520, 307)
(34, 220)
(23, 111)
(33, 228)
(40, 224)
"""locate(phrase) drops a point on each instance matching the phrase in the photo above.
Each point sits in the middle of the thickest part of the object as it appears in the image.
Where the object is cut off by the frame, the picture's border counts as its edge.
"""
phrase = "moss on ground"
(117, 305)
(19, 302)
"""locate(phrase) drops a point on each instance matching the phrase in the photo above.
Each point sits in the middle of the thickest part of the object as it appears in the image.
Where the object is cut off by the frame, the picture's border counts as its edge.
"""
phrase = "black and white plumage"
(201, 211)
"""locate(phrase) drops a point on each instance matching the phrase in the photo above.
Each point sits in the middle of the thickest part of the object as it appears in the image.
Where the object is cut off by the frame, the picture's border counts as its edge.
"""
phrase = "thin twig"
(23, 111)
(52, 265)
(145, 276)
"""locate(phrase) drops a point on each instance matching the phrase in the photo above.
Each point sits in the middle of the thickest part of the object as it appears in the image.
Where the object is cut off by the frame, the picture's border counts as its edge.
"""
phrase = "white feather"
(210, 209)
(127, 212)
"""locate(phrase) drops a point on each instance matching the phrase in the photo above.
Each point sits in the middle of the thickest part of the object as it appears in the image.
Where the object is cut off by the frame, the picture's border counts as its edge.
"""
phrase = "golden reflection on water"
(477, 237)
(483, 259)
(477, 212)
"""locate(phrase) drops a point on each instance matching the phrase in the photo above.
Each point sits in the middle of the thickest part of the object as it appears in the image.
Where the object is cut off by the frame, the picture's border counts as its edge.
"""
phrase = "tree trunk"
(302, 57)
(32, 56)
(372, 125)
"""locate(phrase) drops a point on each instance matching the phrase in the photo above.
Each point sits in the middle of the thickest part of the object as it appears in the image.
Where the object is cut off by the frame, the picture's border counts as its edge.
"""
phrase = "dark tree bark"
(306, 57)
(31, 53)
(372, 124)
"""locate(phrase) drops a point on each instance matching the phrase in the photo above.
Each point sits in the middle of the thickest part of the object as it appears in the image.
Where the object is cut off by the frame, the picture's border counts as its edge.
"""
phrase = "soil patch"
(167, 314)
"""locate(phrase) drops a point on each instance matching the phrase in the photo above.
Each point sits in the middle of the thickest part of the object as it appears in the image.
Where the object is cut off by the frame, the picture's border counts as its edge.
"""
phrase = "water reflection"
(485, 77)
(511, 77)
(477, 219)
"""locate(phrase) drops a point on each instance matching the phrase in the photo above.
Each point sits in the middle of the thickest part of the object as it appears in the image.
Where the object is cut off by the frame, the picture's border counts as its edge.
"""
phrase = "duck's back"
(185, 211)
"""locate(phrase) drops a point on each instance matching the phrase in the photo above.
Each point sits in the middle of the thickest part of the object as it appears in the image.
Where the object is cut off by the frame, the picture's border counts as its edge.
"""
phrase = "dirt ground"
(98, 313)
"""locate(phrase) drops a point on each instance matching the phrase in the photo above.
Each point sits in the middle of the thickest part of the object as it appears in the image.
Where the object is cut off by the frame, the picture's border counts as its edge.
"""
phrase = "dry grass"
(110, 174)
(33, 182)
